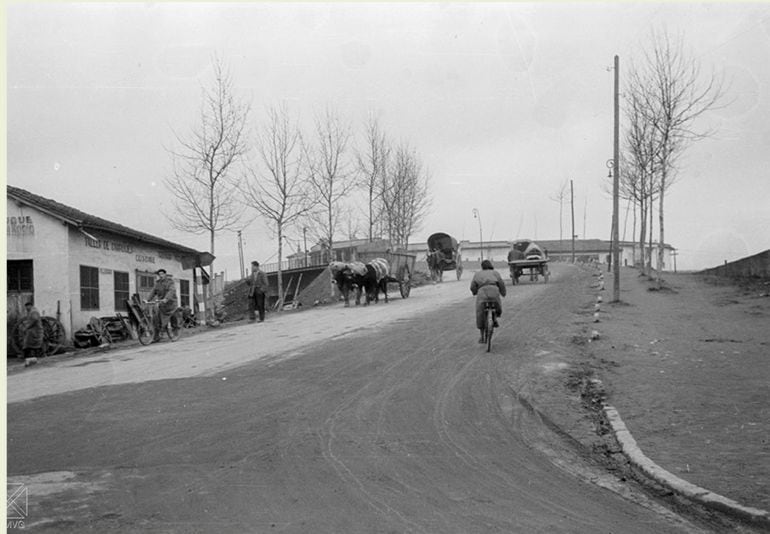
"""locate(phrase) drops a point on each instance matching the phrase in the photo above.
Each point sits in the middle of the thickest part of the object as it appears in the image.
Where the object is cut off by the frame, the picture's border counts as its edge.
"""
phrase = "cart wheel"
(459, 271)
(53, 336)
(404, 281)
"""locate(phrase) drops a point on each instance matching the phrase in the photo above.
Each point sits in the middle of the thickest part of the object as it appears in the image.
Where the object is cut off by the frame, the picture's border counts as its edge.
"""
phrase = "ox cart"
(443, 255)
(401, 267)
(526, 255)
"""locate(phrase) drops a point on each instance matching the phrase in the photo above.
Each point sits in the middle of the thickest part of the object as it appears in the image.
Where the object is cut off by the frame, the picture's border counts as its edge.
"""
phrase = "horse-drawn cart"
(401, 266)
(526, 255)
(443, 255)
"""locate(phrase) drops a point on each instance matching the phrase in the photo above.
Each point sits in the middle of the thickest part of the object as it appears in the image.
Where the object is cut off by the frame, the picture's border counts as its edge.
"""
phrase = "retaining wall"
(757, 266)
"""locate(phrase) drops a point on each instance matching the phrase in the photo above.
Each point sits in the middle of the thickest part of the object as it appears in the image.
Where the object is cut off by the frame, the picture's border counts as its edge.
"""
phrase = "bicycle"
(150, 316)
(489, 324)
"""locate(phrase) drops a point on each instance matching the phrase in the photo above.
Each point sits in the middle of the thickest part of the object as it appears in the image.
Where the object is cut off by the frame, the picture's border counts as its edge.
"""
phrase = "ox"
(348, 277)
(376, 279)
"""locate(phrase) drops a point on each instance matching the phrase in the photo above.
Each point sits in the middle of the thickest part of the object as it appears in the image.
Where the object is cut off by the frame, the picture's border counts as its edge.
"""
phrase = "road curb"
(710, 499)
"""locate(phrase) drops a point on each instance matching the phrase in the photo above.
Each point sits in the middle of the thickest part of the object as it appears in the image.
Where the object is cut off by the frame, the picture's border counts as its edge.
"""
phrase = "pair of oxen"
(358, 277)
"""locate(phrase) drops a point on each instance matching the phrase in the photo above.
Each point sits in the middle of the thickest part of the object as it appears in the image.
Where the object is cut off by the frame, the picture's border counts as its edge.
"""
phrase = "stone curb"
(673, 482)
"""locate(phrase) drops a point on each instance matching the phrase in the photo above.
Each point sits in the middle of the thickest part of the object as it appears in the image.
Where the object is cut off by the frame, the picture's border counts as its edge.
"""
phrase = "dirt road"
(389, 418)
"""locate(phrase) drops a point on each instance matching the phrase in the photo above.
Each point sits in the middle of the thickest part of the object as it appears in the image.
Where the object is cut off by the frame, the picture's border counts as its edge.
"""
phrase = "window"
(20, 275)
(144, 283)
(89, 288)
(121, 290)
(184, 292)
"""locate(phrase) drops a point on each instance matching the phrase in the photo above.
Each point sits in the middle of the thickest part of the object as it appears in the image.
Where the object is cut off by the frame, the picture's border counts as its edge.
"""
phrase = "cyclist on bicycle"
(165, 292)
(488, 286)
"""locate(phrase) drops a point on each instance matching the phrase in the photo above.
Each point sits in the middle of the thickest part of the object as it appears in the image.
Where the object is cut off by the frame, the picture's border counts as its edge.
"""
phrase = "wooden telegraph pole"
(616, 189)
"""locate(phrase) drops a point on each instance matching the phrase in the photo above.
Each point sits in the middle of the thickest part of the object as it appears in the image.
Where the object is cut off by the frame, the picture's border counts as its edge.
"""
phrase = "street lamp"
(304, 239)
(477, 215)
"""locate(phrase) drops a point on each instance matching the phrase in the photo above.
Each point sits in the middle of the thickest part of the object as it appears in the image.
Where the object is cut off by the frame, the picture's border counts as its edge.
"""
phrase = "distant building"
(319, 254)
(595, 250)
(75, 266)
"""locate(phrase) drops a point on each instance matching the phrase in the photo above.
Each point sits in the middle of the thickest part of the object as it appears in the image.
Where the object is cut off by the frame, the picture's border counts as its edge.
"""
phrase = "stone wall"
(756, 266)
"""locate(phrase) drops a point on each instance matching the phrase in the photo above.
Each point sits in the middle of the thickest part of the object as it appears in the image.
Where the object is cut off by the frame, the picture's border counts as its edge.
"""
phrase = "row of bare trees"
(664, 96)
(222, 175)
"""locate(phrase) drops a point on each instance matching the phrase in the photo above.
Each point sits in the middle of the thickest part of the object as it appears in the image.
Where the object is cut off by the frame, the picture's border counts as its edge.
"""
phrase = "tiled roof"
(86, 222)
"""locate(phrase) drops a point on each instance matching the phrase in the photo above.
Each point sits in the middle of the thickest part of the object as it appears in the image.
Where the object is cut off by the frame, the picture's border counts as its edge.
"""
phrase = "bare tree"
(674, 94)
(372, 165)
(329, 175)
(205, 163)
(637, 178)
(405, 195)
(278, 189)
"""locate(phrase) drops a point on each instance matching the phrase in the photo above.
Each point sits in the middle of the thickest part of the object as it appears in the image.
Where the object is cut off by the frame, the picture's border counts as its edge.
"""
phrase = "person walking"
(257, 282)
(32, 345)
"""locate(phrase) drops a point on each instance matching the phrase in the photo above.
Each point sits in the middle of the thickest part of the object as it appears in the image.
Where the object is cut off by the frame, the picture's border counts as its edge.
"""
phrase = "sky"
(504, 104)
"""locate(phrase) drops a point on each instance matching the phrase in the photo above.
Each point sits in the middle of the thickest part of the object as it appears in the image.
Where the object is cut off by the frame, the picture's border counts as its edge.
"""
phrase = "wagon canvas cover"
(443, 242)
(525, 249)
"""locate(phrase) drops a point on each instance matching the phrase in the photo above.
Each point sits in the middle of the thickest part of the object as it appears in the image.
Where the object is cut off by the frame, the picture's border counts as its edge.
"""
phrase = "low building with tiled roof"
(75, 266)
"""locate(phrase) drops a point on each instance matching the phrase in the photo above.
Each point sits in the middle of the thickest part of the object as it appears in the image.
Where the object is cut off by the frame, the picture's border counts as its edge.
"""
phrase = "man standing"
(165, 292)
(257, 282)
(32, 346)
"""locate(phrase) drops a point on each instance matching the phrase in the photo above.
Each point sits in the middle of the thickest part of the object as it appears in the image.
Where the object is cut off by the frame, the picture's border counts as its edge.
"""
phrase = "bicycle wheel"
(404, 281)
(145, 332)
(489, 326)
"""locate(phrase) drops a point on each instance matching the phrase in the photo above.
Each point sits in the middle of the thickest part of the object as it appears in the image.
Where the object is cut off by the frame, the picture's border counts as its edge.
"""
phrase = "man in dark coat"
(165, 292)
(257, 282)
(32, 345)
(488, 286)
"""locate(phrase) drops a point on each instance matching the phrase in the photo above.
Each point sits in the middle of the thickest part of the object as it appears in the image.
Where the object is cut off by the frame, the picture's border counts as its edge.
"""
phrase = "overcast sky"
(503, 102)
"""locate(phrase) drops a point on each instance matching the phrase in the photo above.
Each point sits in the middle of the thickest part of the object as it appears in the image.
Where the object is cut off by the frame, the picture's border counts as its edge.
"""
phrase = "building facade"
(74, 266)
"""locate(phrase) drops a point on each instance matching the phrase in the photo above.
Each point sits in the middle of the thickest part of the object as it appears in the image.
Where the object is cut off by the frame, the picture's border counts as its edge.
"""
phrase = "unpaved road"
(389, 418)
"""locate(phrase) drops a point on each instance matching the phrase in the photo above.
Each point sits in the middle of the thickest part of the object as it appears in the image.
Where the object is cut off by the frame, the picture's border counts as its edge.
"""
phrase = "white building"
(75, 266)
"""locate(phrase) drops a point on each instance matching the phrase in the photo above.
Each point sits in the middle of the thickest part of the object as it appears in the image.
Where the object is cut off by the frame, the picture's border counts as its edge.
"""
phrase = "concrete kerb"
(637, 458)
(695, 493)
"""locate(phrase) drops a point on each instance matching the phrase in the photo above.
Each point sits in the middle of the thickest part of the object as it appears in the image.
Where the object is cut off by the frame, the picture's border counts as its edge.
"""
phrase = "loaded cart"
(443, 255)
(401, 266)
(526, 255)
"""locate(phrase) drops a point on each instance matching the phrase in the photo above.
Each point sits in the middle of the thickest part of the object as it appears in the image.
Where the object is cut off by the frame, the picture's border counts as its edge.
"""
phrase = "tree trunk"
(208, 293)
(643, 232)
(279, 304)
(660, 224)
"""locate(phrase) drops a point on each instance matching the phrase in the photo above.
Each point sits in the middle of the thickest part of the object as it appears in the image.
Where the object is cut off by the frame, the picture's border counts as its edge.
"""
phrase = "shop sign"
(20, 226)
(105, 244)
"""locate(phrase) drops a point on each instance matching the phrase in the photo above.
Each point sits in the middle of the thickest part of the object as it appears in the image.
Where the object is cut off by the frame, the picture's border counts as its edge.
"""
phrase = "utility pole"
(616, 187)
(240, 255)
(477, 215)
(572, 207)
